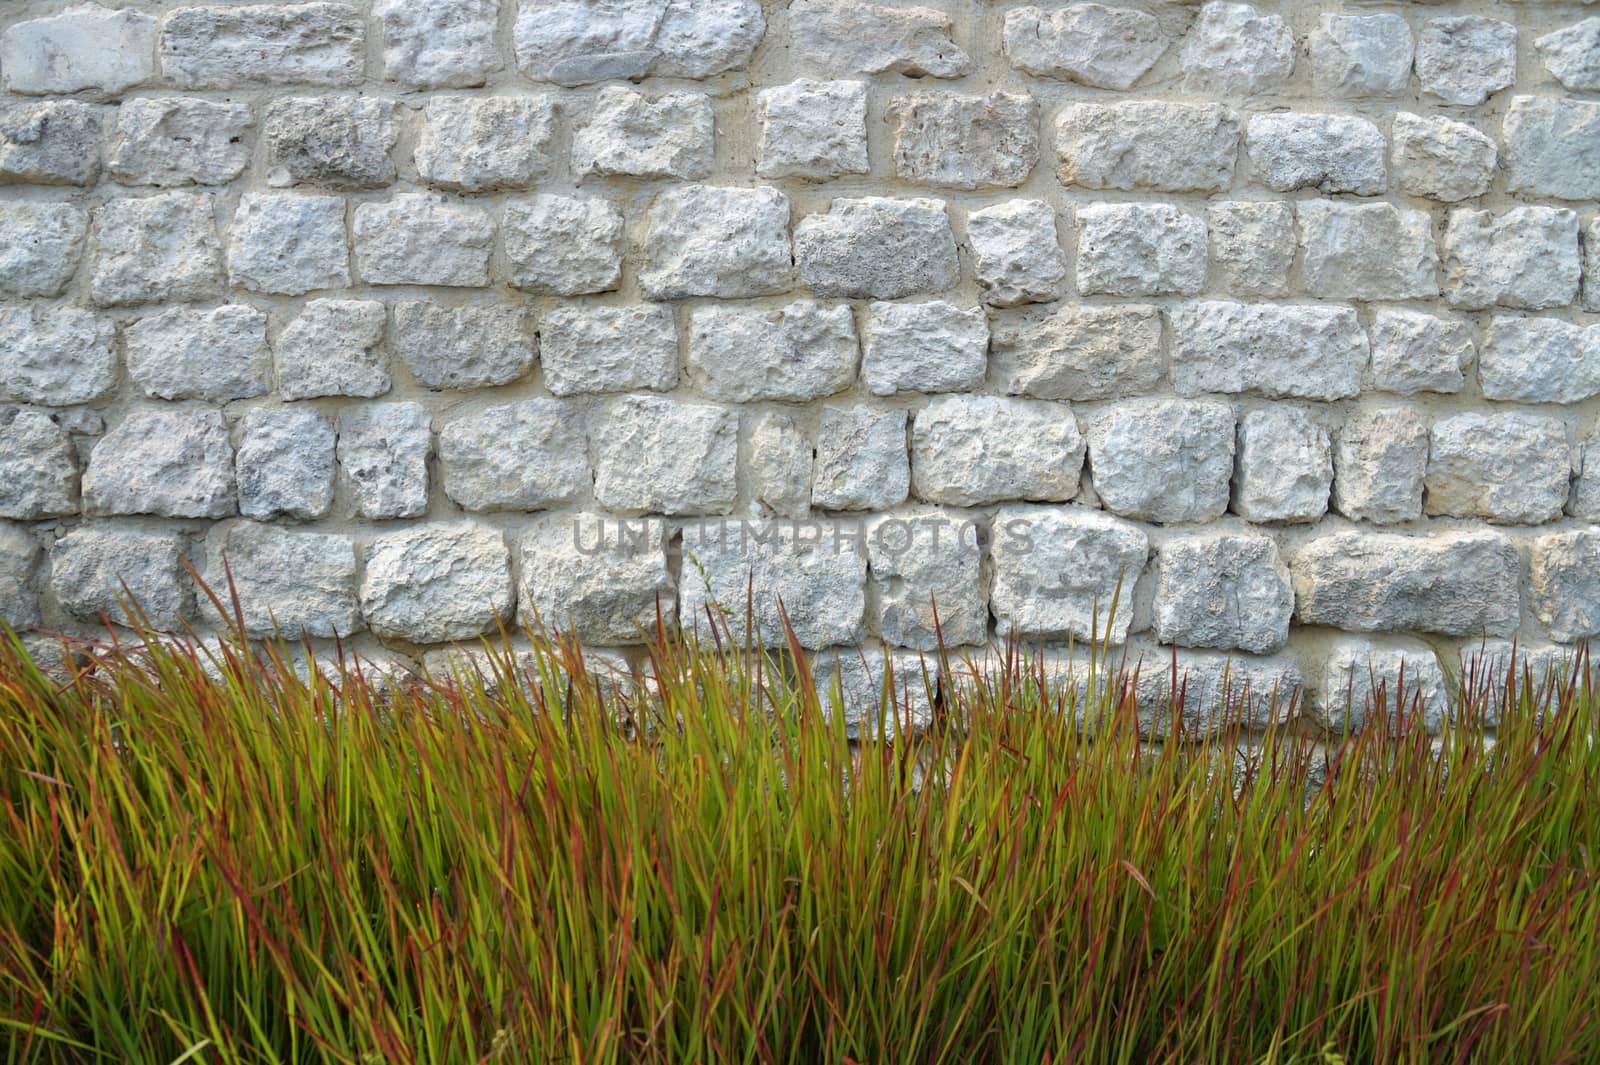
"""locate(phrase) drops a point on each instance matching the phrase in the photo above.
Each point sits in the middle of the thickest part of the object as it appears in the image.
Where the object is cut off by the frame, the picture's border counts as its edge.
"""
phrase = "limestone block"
(812, 129)
(19, 564)
(1078, 352)
(1466, 58)
(285, 466)
(1374, 251)
(663, 456)
(158, 248)
(1016, 252)
(628, 133)
(570, 43)
(1140, 249)
(589, 348)
(1367, 684)
(288, 244)
(843, 37)
(38, 468)
(779, 465)
(1417, 352)
(923, 347)
(1275, 350)
(1507, 467)
(600, 579)
(1526, 257)
(51, 142)
(1539, 360)
(970, 451)
(438, 44)
(476, 346)
(99, 571)
(1380, 458)
(1284, 466)
(1572, 54)
(84, 47)
(965, 142)
(215, 355)
(1440, 158)
(1552, 147)
(1564, 583)
(422, 239)
(798, 352)
(527, 455)
(1163, 460)
(705, 240)
(383, 456)
(1361, 55)
(1150, 145)
(1226, 590)
(875, 247)
(263, 45)
(563, 245)
(342, 142)
(1252, 247)
(1092, 44)
(171, 140)
(437, 582)
(1333, 153)
(924, 582)
(289, 584)
(1234, 50)
(171, 463)
(1059, 571)
(332, 349)
(56, 357)
(861, 461)
(478, 144)
(40, 245)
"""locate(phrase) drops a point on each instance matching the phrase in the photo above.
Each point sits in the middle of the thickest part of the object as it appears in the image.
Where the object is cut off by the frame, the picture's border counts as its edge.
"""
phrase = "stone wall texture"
(1271, 322)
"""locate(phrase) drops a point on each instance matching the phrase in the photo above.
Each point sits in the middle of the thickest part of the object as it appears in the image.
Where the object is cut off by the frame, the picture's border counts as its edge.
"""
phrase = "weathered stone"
(172, 463)
(285, 465)
(1552, 147)
(1585, 501)
(479, 144)
(628, 133)
(1486, 666)
(1441, 159)
(339, 141)
(1462, 60)
(563, 245)
(1078, 352)
(1234, 50)
(263, 44)
(1106, 47)
(1379, 459)
(19, 561)
(438, 44)
(98, 571)
(923, 578)
(1417, 352)
(1252, 246)
(1373, 251)
(287, 585)
(215, 355)
(1539, 360)
(1210, 691)
(1526, 257)
(601, 580)
(1059, 570)
(812, 129)
(852, 680)
(1284, 466)
(1371, 685)
(1333, 153)
(1361, 55)
(813, 573)
(1140, 249)
(657, 455)
(56, 357)
(969, 451)
(877, 248)
(965, 142)
(40, 245)
(1227, 590)
(1506, 467)
(586, 348)
(1016, 252)
(779, 465)
(475, 346)
(1591, 265)
(1307, 352)
(1572, 54)
(157, 248)
(849, 37)
(1454, 583)
(527, 455)
(1147, 145)
(171, 140)
(288, 244)
(861, 459)
(570, 43)
(438, 582)
(383, 454)
(332, 349)
(798, 352)
(38, 468)
(83, 47)
(421, 239)
(922, 347)
(1163, 460)
(51, 142)
(1564, 583)
(704, 240)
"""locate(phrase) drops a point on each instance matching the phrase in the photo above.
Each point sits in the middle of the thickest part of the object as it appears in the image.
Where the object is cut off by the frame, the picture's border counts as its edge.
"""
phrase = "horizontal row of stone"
(1230, 49)
(910, 578)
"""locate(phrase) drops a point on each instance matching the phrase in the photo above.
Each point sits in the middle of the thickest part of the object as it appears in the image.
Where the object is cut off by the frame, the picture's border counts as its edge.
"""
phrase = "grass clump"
(222, 861)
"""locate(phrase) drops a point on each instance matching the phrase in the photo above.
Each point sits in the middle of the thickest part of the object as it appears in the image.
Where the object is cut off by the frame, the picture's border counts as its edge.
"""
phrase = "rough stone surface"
(528, 455)
(1572, 54)
(56, 357)
(1509, 467)
(1128, 249)
(437, 582)
(861, 461)
(1275, 350)
(563, 245)
(419, 239)
(40, 245)
(1016, 252)
(1526, 257)
(1092, 44)
(856, 678)
(812, 129)
(1283, 466)
(172, 140)
(704, 240)
(1417, 352)
(968, 451)
(96, 570)
(844, 37)
(1564, 582)
(965, 142)
(332, 349)
(1456, 584)
(924, 580)
(877, 248)
(38, 469)
(1058, 570)
(1170, 147)
(171, 463)
(1365, 684)
(922, 347)
(478, 145)
(215, 355)
(288, 244)
(628, 133)
(1441, 158)
(1234, 50)
(285, 465)
(19, 562)
(1372, 251)
(1163, 460)
(156, 248)
(1361, 55)
(383, 459)
(1539, 360)
(1380, 457)
(1464, 59)
(1226, 590)
(586, 349)
(1585, 501)
(85, 47)
(662, 456)
(51, 142)
(289, 584)
(263, 44)
(564, 42)
(1075, 351)
(798, 352)
(600, 579)
(434, 44)
(1552, 147)
(463, 347)
(1252, 246)
(1333, 153)
(1591, 265)
(342, 142)
(780, 465)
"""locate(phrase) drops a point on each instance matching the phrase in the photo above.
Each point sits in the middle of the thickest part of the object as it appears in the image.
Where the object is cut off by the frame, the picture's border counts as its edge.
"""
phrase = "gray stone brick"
(56, 357)
(263, 44)
(287, 244)
(438, 582)
(421, 239)
(289, 584)
(1284, 466)
(1417, 352)
(1333, 153)
(285, 465)
(1373, 251)
(1140, 249)
(631, 134)
(172, 140)
(597, 578)
(841, 37)
(923, 347)
(1539, 360)
(1275, 350)
(51, 142)
(342, 142)
(1105, 47)
(171, 463)
(703, 240)
(527, 455)
(877, 248)
(861, 461)
(1526, 257)
(661, 456)
(564, 42)
(969, 451)
(19, 565)
(1361, 55)
(563, 245)
(40, 245)
(1552, 147)
(86, 47)
(589, 348)
(1163, 460)
(473, 144)
(1252, 247)
(812, 129)
(38, 469)
(332, 349)
(798, 352)
(1233, 50)
(216, 355)
(1505, 467)
(965, 142)
(1466, 58)
(1564, 583)
(923, 569)
(1440, 158)
(1078, 352)
(1380, 457)
(1016, 252)
(1227, 590)
(1171, 147)
(100, 571)
(383, 458)
(159, 248)
(1058, 572)
(438, 44)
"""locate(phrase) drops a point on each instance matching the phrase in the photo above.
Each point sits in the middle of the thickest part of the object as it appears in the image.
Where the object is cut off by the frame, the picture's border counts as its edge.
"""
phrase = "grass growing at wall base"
(258, 868)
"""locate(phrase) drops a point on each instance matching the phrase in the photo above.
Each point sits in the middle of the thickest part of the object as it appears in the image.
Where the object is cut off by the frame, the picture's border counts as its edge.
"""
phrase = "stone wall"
(416, 312)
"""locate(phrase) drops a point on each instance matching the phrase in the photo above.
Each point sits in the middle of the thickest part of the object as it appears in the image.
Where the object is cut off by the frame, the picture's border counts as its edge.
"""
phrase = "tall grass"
(526, 868)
